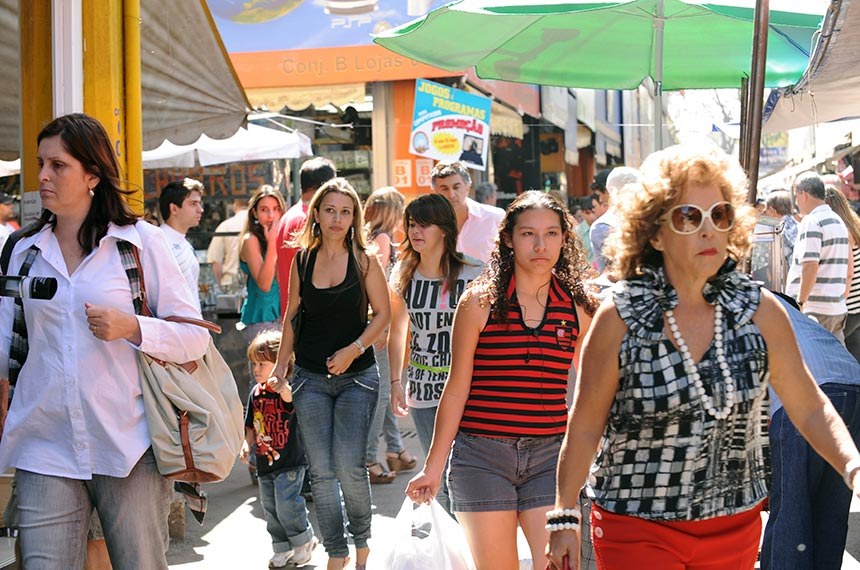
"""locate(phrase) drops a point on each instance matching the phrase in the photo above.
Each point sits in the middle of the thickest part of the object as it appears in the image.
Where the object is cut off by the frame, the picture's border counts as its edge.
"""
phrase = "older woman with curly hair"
(673, 378)
(515, 337)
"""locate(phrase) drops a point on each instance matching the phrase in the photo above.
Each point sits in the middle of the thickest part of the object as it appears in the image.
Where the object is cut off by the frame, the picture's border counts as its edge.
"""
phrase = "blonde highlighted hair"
(264, 347)
(666, 174)
(382, 210)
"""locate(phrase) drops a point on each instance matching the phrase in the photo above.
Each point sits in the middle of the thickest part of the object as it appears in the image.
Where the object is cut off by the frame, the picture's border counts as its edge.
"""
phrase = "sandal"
(398, 463)
(380, 477)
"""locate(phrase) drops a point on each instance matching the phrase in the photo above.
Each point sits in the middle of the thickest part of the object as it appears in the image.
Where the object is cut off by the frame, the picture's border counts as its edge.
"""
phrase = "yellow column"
(111, 62)
(37, 95)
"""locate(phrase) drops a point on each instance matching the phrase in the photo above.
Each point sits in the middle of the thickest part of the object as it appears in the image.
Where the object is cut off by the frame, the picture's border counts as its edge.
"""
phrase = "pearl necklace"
(693, 372)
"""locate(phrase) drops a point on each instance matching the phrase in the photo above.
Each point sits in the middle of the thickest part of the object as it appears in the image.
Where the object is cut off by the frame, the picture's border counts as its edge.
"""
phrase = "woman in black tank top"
(335, 387)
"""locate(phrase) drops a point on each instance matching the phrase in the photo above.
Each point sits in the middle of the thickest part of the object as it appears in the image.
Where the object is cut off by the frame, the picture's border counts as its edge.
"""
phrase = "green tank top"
(260, 306)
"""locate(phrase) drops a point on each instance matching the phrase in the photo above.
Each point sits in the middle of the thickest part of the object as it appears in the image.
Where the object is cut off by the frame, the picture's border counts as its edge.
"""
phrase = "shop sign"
(449, 124)
(423, 169)
(330, 41)
(402, 173)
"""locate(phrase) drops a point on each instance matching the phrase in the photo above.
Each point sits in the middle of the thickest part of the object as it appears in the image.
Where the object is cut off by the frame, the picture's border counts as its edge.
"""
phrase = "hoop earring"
(315, 229)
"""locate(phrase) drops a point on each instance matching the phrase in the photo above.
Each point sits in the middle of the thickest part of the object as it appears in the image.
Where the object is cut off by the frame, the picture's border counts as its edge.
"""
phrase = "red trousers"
(723, 543)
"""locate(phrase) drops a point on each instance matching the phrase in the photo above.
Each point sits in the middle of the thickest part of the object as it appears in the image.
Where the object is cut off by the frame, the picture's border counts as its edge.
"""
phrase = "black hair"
(316, 172)
(175, 193)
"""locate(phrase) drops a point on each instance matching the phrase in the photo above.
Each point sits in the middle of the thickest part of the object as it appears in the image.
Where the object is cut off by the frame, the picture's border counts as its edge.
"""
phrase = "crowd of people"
(616, 371)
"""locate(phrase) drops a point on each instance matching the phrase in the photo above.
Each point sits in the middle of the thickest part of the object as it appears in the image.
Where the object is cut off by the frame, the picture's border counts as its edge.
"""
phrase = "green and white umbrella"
(679, 44)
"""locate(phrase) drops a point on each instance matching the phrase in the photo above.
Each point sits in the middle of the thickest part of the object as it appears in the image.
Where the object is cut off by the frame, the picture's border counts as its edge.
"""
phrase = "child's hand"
(245, 452)
(287, 393)
(277, 385)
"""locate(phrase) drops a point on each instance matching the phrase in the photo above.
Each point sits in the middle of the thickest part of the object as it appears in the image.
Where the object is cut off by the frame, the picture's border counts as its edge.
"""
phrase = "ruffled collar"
(642, 301)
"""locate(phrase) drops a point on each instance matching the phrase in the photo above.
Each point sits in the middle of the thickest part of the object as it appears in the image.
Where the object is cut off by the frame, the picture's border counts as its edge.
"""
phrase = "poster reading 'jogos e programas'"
(450, 124)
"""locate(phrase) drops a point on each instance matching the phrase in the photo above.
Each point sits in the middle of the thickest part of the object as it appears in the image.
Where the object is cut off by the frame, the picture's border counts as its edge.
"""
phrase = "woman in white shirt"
(76, 430)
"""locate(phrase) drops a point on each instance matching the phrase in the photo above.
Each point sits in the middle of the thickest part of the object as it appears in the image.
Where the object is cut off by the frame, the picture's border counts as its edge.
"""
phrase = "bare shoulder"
(770, 317)
(606, 317)
(474, 304)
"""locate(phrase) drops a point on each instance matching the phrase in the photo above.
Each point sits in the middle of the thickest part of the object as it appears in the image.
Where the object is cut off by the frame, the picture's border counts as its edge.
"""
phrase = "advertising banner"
(449, 124)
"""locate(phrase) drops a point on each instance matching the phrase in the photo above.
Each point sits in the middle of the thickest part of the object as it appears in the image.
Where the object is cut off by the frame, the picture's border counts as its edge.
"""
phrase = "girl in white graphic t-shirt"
(426, 284)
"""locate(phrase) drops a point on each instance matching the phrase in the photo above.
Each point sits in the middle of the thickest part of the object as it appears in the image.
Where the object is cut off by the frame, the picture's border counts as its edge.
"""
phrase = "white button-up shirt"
(478, 235)
(77, 409)
(185, 256)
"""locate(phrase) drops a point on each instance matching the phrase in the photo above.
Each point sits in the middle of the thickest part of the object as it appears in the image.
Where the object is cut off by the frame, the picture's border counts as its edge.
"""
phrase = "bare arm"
(261, 268)
(397, 334)
(285, 351)
(469, 318)
(807, 406)
(808, 273)
(217, 270)
(584, 324)
(596, 386)
(383, 251)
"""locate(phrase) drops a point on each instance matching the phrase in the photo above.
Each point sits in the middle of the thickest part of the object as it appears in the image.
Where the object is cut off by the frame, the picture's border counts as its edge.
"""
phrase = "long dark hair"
(253, 225)
(431, 210)
(570, 269)
(86, 140)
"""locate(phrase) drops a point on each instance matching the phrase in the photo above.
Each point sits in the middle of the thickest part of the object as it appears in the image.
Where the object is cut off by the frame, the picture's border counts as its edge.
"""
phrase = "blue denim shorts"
(502, 473)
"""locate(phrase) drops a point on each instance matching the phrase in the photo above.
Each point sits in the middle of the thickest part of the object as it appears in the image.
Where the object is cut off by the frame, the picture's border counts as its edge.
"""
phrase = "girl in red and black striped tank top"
(516, 330)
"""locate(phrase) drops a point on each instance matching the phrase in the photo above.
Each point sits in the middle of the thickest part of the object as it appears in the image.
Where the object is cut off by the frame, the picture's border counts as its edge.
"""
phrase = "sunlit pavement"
(234, 535)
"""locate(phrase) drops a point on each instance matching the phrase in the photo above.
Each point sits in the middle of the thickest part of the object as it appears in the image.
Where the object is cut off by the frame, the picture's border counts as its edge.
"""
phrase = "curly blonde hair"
(570, 269)
(665, 176)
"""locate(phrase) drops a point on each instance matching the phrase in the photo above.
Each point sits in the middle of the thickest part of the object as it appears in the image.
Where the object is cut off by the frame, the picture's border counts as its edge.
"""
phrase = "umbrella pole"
(756, 92)
(658, 75)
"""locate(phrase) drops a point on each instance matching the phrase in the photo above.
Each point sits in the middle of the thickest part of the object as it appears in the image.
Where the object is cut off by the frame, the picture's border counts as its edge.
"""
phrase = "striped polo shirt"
(821, 237)
(519, 375)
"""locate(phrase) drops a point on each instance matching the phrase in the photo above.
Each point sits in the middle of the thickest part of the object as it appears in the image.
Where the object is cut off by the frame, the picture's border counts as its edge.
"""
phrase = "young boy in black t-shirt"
(271, 424)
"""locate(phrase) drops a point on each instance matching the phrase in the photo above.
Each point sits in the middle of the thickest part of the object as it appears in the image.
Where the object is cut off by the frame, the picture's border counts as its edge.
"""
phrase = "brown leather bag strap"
(146, 310)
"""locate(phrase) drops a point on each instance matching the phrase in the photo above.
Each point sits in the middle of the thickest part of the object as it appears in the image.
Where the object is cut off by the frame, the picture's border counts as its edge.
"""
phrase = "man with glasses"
(819, 264)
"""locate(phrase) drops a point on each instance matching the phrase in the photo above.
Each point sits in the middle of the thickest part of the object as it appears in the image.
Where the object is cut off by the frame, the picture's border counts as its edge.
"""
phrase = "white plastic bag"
(425, 536)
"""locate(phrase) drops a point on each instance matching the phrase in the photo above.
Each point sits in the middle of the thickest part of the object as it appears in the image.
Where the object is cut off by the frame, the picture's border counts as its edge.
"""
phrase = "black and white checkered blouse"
(663, 457)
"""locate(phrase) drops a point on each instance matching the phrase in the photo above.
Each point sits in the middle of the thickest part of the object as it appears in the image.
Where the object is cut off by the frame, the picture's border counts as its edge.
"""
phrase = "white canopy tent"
(830, 88)
(252, 143)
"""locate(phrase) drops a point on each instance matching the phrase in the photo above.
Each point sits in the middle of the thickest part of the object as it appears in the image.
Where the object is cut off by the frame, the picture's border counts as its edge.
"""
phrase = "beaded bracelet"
(561, 526)
(563, 519)
(563, 513)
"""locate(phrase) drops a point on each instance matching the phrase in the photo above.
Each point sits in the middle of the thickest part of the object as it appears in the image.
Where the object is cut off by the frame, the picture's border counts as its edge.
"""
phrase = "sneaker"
(281, 559)
(303, 554)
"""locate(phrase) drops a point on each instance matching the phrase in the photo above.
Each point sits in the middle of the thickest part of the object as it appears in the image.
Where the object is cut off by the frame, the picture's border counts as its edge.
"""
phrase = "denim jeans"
(55, 515)
(383, 420)
(285, 509)
(334, 418)
(425, 422)
(809, 502)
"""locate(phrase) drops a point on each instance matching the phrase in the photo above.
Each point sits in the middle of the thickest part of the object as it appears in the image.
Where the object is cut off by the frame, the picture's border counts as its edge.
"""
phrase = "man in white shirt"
(478, 223)
(618, 178)
(223, 252)
(820, 261)
(181, 207)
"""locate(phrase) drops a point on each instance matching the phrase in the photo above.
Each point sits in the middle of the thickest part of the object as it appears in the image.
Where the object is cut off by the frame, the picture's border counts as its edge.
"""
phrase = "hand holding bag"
(193, 410)
(425, 536)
